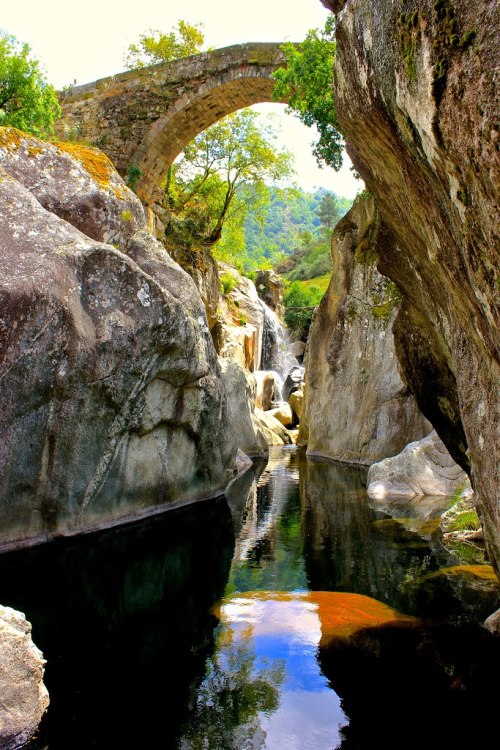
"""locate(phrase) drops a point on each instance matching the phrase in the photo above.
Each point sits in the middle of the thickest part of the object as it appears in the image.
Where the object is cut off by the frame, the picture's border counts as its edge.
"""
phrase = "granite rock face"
(270, 289)
(24, 697)
(416, 96)
(238, 333)
(241, 391)
(423, 468)
(357, 408)
(112, 405)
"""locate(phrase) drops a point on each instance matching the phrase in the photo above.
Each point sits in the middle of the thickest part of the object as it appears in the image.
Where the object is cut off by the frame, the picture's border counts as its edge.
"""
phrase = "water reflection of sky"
(278, 637)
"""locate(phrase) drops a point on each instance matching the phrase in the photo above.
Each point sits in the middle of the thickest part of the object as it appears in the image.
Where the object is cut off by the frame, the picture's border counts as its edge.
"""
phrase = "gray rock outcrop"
(424, 467)
(356, 407)
(241, 389)
(415, 92)
(112, 405)
(240, 325)
(23, 695)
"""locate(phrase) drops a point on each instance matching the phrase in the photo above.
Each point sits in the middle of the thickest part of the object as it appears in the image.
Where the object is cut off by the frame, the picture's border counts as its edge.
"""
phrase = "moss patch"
(447, 38)
(408, 32)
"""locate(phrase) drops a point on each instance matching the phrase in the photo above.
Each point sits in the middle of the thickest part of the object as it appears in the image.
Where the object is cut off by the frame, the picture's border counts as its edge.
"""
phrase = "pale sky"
(86, 41)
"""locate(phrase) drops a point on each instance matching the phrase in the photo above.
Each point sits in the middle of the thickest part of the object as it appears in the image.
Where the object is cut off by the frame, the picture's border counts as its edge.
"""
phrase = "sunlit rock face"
(422, 468)
(415, 95)
(357, 407)
(24, 695)
(112, 404)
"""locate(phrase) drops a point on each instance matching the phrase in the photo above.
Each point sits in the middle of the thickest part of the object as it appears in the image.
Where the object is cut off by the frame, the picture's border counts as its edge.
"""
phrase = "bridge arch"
(144, 118)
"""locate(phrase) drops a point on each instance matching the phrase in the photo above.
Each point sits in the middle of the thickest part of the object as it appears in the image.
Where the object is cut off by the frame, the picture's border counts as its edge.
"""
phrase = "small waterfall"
(275, 354)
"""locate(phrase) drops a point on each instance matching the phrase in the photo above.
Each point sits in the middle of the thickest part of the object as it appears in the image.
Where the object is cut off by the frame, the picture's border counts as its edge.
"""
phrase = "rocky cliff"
(415, 95)
(111, 405)
(357, 408)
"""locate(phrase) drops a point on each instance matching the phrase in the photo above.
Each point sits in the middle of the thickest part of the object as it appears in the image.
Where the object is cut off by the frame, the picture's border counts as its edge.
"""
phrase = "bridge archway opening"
(189, 117)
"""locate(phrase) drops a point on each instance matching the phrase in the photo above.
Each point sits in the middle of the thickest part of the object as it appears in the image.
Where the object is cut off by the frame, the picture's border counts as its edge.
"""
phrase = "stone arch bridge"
(144, 118)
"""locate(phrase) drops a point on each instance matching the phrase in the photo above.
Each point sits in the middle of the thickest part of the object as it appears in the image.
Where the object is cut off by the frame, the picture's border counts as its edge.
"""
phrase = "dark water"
(205, 628)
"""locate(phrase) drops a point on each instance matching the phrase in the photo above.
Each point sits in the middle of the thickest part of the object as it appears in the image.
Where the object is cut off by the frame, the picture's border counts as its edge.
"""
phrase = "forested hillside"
(289, 222)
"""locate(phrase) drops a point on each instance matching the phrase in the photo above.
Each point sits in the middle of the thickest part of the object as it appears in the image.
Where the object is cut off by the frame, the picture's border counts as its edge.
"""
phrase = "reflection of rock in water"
(353, 544)
(415, 687)
(265, 503)
(116, 611)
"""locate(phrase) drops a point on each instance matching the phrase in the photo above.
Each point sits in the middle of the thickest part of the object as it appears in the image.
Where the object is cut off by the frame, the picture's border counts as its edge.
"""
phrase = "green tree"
(307, 82)
(328, 211)
(27, 101)
(155, 47)
(209, 185)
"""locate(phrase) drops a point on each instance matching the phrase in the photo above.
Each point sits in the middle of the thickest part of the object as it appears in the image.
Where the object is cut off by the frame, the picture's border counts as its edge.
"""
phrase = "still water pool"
(295, 615)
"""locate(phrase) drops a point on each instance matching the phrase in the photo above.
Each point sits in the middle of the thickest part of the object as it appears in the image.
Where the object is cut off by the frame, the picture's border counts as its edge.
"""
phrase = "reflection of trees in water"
(268, 545)
(233, 694)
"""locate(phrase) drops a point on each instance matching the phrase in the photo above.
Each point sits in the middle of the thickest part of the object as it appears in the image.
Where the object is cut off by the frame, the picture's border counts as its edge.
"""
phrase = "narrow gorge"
(255, 492)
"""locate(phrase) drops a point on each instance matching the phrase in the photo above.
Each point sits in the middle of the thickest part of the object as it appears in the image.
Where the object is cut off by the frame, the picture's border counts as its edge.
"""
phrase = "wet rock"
(296, 401)
(293, 381)
(357, 408)
(416, 95)
(266, 389)
(270, 289)
(423, 468)
(283, 413)
(114, 405)
(459, 593)
(24, 697)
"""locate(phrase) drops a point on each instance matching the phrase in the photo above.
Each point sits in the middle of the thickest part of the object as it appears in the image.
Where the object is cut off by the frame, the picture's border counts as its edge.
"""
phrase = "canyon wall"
(357, 408)
(415, 95)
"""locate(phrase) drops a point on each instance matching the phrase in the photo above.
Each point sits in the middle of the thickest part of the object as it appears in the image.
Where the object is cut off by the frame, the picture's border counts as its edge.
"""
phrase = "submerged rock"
(23, 695)
(423, 468)
(112, 404)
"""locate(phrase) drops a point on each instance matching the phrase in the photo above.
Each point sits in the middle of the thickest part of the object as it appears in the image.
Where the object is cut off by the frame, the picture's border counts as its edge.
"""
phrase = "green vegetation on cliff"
(283, 229)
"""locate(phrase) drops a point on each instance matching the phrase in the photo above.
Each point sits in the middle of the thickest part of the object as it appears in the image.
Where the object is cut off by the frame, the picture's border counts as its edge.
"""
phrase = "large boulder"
(24, 697)
(77, 183)
(241, 389)
(416, 94)
(275, 432)
(356, 406)
(112, 405)
(423, 468)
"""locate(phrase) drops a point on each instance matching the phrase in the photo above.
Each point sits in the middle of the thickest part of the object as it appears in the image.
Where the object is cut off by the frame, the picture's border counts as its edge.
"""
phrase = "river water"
(295, 615)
